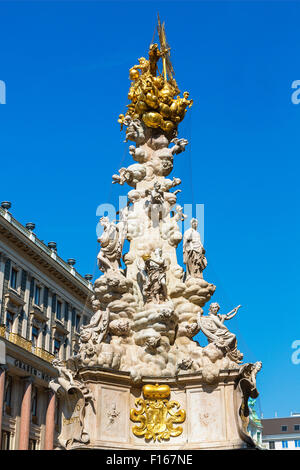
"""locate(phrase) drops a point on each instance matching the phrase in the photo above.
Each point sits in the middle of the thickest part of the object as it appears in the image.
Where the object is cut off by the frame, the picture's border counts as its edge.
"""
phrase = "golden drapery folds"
(154, 96)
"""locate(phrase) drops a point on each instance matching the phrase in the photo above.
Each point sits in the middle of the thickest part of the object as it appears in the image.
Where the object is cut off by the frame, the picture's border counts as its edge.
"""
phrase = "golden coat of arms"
(157, 415)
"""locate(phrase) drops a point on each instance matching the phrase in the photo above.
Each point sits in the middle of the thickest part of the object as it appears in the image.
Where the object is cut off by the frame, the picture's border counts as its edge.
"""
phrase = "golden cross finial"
(164, 50)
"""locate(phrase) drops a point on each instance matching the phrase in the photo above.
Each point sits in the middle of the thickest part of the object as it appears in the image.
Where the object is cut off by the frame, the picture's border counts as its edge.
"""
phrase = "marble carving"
(147, 309)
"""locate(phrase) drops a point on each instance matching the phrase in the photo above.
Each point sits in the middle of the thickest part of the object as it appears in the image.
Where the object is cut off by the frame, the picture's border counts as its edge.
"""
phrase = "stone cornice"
(96, 373)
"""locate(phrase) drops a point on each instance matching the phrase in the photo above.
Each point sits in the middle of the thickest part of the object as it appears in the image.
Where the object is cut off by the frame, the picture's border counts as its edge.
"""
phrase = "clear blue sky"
(65, 65)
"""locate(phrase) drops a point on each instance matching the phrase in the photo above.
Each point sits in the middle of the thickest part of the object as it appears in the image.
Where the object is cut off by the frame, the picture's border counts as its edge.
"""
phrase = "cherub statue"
(135, 130)
(143, 65)
(122, 177)
(178, 107)
(179, 214)
(169, 184)
(193, 251)
(110, 252)
(65, 375)
(179, 146)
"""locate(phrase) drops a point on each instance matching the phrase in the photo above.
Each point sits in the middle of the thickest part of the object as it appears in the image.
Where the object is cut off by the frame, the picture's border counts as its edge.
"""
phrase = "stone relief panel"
(206, 415)
(113, 423)
(231, 424)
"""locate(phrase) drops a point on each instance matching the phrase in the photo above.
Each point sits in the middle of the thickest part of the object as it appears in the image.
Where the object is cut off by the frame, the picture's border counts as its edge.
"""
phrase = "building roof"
(273, 426)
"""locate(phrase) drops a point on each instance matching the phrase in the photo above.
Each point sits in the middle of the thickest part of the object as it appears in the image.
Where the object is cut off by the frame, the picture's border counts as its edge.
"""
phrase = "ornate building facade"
(43, 304)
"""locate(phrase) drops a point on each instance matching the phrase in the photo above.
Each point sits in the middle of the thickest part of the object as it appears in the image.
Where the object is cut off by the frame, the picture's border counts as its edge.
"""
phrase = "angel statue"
(110, 251)
(193, 251)
(153, 277)
(216, 332)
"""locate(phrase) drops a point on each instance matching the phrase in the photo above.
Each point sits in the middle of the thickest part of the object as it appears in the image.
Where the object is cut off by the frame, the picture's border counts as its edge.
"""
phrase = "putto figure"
(193, 252)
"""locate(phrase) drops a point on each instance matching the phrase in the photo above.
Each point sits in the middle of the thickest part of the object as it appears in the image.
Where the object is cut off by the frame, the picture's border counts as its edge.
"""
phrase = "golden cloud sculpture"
(152, 94)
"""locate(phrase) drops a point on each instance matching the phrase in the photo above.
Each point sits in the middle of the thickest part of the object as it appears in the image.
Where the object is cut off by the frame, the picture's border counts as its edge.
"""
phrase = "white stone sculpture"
(147, 315)
(193, 251)
(217, 333)
(110, 253)
(154, 277)
(155, 203)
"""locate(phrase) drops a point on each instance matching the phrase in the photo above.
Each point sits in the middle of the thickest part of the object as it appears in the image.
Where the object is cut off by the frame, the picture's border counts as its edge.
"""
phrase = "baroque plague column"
(140, 380)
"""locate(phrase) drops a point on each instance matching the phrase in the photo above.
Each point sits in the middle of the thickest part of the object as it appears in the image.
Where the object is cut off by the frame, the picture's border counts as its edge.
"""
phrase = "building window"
(297, 443)
(285, 444)
(77, 322)
(37, 295)
(34, 336)
(272, 445)
(9, 322)
(7, 395)
(13, 278)
(5, 440)
(283, 428)
(66, 312)
(32, 444)
(56, 347)
(58, 310)
(297, 427)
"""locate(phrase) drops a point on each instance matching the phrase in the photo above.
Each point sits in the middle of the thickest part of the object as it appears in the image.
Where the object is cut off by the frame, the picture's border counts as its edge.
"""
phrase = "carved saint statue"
(154, 277)
(216, 332)
(193, 251)
(96, 330)
(156, 203)
(110, 252)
